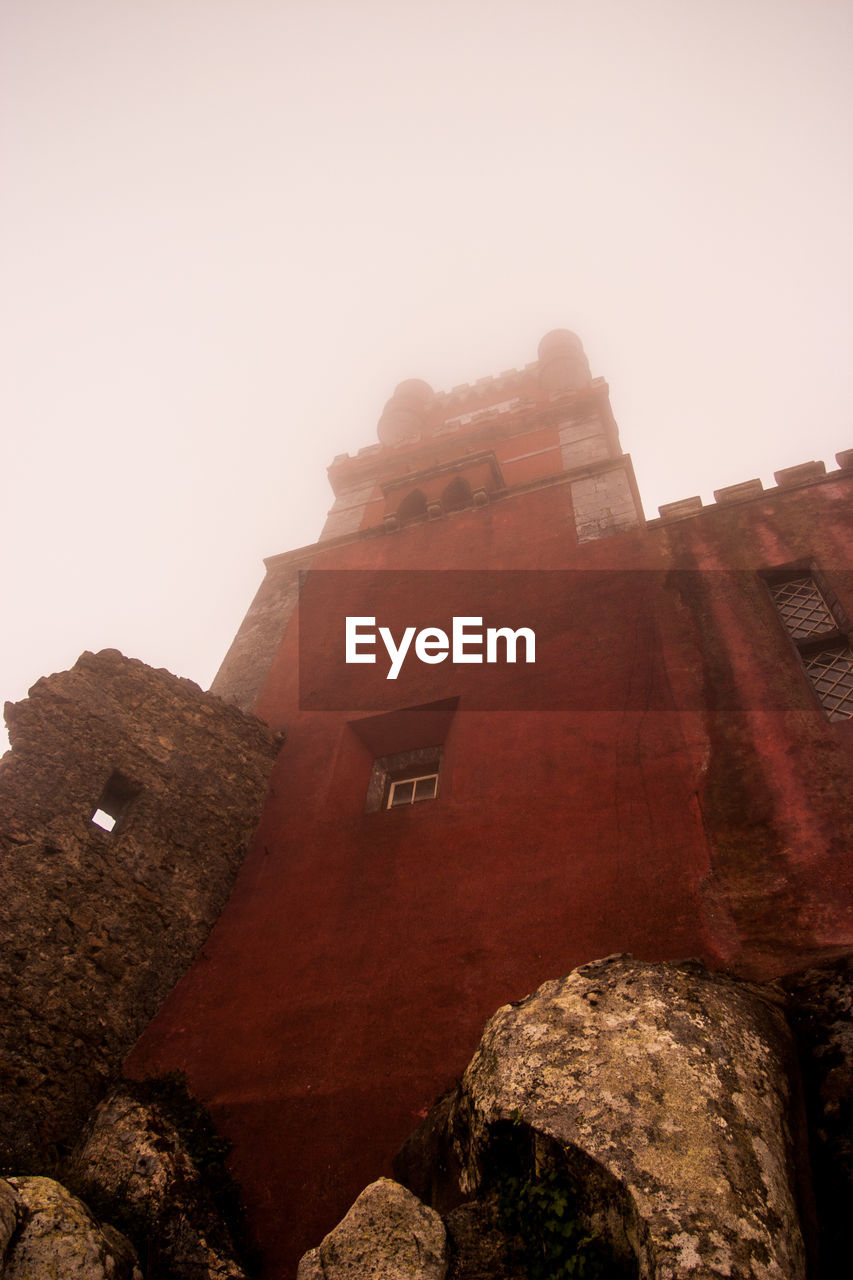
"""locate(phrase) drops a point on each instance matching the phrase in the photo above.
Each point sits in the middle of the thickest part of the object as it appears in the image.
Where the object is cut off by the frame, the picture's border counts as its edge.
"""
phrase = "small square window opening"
(115, 801)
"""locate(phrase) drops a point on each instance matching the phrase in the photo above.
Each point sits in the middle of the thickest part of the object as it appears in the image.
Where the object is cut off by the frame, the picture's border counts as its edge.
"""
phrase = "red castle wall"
(672, 789)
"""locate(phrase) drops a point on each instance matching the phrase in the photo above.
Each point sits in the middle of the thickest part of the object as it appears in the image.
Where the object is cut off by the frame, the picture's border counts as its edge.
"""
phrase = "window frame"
(836, 637)
(403, 766)
(414, 779)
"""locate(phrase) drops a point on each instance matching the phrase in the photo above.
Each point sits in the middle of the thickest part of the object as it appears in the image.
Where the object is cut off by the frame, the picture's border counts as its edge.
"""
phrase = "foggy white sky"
(230, 227)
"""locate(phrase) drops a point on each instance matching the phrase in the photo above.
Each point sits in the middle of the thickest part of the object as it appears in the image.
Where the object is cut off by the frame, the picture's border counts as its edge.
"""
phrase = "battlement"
(803, 473)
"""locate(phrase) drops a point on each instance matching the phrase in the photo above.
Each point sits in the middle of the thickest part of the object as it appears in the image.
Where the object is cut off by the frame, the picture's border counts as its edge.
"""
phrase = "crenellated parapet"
(796, 477)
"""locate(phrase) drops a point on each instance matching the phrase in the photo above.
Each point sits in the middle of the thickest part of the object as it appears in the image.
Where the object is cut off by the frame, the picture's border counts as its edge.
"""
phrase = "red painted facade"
(663, 780)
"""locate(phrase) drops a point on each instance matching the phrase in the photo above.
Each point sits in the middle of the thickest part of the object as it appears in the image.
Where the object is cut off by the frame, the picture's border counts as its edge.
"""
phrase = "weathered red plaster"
(707, 813)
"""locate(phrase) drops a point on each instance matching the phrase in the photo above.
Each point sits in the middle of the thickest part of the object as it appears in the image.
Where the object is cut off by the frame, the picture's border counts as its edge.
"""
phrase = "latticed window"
(831, 673)
(802, 608)
(807, 618)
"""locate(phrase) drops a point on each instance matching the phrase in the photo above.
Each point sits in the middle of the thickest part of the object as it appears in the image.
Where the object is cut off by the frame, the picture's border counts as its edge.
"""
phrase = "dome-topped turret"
(405, 415)
(563, 366)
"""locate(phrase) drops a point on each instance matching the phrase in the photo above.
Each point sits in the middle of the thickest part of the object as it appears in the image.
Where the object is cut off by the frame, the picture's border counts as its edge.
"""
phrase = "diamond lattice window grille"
(802, 608)
(831, 672)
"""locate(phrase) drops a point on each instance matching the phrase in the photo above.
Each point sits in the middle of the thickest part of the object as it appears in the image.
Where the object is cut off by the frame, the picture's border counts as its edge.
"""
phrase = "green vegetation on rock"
(551, 1242)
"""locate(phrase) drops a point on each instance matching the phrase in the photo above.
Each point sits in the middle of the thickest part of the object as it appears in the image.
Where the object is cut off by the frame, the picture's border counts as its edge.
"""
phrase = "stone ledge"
(800, 474)
(684, 507)
(739, 492)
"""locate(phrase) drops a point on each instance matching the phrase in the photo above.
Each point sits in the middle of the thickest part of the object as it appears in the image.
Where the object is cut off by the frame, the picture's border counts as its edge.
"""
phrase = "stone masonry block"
(684, 507)
(739, 492)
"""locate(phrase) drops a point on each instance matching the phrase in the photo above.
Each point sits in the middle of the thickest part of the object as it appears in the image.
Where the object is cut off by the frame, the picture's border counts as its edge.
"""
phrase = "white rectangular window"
(411, 790)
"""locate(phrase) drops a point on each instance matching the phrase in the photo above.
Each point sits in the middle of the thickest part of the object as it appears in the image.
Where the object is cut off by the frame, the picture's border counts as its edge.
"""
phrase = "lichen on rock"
(674, 1082)
(11, 1209)
(59, 1238)
(132, 1158)
(388, 1234)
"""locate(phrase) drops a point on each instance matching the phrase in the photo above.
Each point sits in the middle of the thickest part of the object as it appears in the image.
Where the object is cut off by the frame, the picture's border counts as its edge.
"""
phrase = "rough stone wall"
(98, 926)
(604, 503)
(247, 662)
(347, 511)
(583, 442)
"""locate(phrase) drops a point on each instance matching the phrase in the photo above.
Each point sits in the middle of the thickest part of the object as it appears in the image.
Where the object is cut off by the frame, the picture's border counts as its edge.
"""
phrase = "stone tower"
(668, 776)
